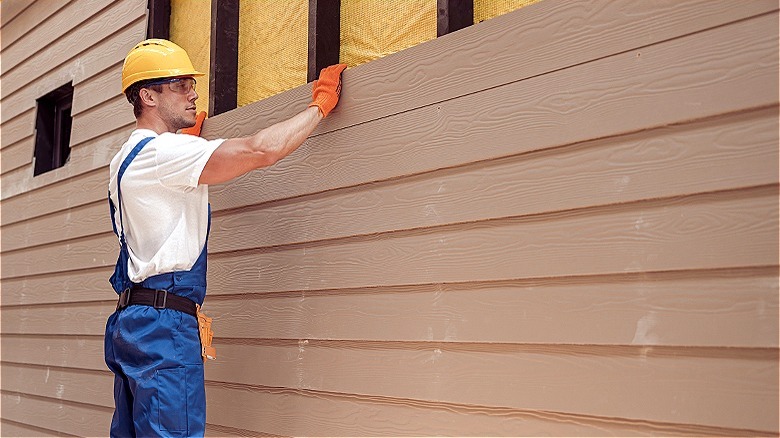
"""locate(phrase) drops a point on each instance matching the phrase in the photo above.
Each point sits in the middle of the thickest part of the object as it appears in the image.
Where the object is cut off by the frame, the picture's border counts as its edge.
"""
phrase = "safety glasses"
(177, 85)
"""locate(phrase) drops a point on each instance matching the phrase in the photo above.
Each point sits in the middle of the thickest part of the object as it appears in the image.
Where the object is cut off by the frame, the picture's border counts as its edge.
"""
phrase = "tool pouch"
(206, 335)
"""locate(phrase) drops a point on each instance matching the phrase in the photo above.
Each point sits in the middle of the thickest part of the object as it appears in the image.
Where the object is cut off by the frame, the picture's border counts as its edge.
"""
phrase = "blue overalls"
(155, 354)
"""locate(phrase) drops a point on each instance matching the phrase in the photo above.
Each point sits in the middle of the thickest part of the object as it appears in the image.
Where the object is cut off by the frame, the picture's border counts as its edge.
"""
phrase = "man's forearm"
(281, 139)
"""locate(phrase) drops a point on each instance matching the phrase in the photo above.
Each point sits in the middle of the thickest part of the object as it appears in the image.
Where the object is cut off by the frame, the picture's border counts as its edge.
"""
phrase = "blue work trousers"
(158, 385)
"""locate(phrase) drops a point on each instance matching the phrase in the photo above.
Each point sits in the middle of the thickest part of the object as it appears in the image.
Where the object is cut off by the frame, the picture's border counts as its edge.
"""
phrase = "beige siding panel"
(644, 237)
(20, 128)
(17, 155)
(99, 88)
(686, 309)
(717, 154)
(46, 34)
(67, 384)
(564, 107)
(730, 308)
(94, 154)
(10, 9)
(69, 418)
(87, 64)
(73, 223)
(73, 286)
(712, 155)
(427, 73)
(101, 27)
(111, 115)
(37, 13)
(74, 319)
(727, 390)
(12, 428)
(329, 414)
(85, 352)
(85, 253)
(79, 190)
(709, 231)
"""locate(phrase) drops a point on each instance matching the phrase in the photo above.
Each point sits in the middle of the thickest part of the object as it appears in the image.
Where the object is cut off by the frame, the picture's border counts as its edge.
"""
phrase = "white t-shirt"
(165, 211)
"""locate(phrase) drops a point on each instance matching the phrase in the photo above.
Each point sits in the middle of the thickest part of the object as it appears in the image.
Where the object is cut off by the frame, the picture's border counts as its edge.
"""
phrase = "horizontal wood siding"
(572, 235)
(48, 44)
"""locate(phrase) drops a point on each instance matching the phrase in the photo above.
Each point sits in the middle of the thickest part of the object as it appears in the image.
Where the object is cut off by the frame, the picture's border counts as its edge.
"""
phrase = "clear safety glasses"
(178, 85)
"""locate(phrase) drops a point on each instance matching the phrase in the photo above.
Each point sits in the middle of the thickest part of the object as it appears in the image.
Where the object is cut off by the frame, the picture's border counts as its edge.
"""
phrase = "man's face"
(177, 103)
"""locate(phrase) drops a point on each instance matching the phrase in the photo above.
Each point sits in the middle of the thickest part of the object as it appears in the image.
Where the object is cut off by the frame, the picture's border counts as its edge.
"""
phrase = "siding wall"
(569, 228)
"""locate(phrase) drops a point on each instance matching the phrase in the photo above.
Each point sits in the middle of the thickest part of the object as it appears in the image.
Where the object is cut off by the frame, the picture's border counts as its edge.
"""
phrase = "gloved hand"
(195, 130)
(327, 89)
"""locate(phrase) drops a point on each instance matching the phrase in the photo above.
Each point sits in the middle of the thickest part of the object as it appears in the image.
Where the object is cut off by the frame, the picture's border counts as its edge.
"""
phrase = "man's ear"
(147, 97)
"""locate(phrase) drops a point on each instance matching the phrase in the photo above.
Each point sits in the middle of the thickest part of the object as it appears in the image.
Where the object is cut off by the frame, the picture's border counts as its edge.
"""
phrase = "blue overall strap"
(130, 157)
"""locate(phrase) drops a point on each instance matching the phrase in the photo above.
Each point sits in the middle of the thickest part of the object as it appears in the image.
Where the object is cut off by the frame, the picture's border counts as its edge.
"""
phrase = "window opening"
(52, 129)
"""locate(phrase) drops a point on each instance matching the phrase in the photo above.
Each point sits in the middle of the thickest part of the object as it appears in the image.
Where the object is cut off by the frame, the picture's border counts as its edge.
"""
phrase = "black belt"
(159, 299)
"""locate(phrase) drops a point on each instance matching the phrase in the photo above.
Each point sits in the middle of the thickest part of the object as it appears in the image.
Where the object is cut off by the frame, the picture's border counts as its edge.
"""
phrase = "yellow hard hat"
(156, 58)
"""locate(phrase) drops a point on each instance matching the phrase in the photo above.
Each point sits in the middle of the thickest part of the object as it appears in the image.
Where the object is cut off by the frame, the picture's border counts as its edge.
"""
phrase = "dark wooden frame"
(324, 39)
(324, 35)
(223, 76)
(159, 23)
(452, 15)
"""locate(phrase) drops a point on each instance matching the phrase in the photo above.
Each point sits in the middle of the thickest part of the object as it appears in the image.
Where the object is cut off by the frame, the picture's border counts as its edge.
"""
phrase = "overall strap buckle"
(160, 299)
(124, 299)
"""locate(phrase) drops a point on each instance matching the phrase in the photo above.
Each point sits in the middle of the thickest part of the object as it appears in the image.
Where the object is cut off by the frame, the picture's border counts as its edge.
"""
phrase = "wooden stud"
(223, 75)
(452, 15)
(159, 23)
(324, 35)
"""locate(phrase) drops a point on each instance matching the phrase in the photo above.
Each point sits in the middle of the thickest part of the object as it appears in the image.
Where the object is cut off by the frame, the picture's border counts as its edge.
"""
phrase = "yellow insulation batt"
(191, 29)
(272, 47)
(372, 29)
(486, 9)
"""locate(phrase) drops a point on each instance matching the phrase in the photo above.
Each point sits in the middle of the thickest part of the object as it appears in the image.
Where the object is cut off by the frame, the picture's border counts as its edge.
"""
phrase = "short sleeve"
(180, 158)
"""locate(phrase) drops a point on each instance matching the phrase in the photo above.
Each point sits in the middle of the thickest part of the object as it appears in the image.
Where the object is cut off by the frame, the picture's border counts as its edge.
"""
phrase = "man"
(159, 206)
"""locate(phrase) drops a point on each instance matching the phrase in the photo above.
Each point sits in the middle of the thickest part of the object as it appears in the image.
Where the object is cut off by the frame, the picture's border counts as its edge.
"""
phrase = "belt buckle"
(157, 295)
(124, 299)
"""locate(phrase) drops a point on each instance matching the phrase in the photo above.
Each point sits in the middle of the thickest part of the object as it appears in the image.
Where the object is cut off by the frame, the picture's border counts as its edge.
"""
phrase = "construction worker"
(158, 196)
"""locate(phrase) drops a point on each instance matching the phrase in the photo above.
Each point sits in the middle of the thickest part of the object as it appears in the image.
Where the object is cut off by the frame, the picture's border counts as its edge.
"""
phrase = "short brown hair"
(132, 94)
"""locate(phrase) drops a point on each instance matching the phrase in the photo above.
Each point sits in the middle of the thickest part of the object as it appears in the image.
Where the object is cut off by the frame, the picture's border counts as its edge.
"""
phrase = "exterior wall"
(562, 230)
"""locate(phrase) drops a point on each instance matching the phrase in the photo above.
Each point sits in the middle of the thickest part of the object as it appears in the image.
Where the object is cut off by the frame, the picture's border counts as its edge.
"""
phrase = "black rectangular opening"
(52, 129)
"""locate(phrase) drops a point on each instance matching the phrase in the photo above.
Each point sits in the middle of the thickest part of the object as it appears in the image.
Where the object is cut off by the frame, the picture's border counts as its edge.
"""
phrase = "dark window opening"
(52, 129)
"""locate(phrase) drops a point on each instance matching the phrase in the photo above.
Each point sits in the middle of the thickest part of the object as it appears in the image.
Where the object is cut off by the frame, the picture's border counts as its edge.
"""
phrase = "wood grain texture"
(10, 9)
(84, 159)
(77, 190)
(67, 384)
(73, 223)
(102, 26)
(12, 428)
(98, 89)
(709, 231)
(19, 128)
(336, 414)
(103, 119)
(733, 308)
(66, 417)
(35, 13)
(17, 155)
(85, 253)
(83, 352)
(41, 35)
(736, 392)
(721, 153)
(92, 61)
(705, 156)
(73, 286)
(732, 66)
(428, 74)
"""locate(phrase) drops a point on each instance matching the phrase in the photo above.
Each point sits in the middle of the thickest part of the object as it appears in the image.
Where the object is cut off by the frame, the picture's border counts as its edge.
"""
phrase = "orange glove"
(195, 130)
(327, 89)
